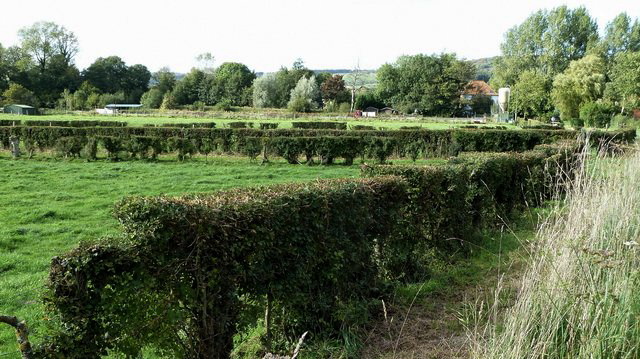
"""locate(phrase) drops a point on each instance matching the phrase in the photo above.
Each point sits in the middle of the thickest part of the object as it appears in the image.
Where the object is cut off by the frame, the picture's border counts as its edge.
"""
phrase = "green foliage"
(18, 94)
(70, 146)
(189, 262)
(442, 78)
(597, 114)
(152, 98)
(583, 81)
(320, 125)
(531, 94)
(304, 96)
(624, 85)
(546, 42)
(333, 268)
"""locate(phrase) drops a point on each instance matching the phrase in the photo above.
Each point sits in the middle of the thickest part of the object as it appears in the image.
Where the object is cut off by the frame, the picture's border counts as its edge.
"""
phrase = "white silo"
(503, 99)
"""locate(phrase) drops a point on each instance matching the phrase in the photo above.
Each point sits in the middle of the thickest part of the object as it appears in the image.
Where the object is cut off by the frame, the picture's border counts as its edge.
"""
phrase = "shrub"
(268, 125)
(70, 146)
(596, 114)
(113, 145)
(187, 260)
(320, 125)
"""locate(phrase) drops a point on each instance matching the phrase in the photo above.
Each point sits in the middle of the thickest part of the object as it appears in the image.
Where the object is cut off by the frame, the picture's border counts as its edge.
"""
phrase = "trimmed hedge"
(185, 263)
(401, 143)
(314, 254)
(78, 123)
(320, 125)
(10, 122)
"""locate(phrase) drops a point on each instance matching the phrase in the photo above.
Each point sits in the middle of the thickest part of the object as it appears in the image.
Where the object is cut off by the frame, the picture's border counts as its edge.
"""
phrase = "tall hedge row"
(401, 143)
(188, 272)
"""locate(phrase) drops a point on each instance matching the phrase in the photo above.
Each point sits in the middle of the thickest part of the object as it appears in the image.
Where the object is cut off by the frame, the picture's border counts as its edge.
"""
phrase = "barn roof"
(20, 106)
(478, 87)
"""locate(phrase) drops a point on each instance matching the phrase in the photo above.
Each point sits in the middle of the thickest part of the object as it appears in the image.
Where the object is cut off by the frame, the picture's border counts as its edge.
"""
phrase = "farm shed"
(20, 110)
(388, 111)
(114, 108)
(370, 112)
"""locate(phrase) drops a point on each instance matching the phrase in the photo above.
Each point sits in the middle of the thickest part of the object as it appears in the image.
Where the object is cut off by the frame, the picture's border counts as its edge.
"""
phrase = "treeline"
(556, 63)
(40, 72)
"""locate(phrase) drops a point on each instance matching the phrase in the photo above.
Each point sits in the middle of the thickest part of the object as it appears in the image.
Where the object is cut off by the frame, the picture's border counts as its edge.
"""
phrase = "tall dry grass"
(580, 296)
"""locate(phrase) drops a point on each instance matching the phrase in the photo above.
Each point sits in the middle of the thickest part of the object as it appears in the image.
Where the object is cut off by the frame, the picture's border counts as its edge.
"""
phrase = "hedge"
(315, 256)
(400, 143)
(320, 125)
(78, 123)
(185, 263)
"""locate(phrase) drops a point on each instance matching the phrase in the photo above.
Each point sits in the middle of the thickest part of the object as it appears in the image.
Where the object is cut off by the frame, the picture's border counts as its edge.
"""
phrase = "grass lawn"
(285, 122)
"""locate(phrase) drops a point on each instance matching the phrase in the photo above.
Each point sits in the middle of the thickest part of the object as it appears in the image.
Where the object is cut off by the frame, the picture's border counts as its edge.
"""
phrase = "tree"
(333, 89)
(205, 62)
(625, 79)
(430, 85)
(231, 82)
(621, 36)
(18, 94)
(583, 81)
(106, 74)
(164, 80)
(530, 95)
(168, 102)
(190, 88)
(265, 91)
(43, 40)
(152, 98)
(304, 95)
(135, 82)
(355, 84)
(547, 41)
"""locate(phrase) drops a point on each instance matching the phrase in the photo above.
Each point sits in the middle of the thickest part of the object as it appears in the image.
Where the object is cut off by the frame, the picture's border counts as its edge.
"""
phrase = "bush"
(596, 114)
(268, 125)
(187, 260)
(320, 125)
(70, 146)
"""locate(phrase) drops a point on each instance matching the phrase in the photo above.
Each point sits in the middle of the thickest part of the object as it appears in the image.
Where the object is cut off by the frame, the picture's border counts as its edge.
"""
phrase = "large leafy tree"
(304, 95)
(547, 41)
(530, 94)
(621, 35)
(190, 88)
(430, 85)
(624, 85)
(333, 89)
(265, 91)
(582, 82)
(112, 75)
(18, 94)
(44, 40)
(231, 82)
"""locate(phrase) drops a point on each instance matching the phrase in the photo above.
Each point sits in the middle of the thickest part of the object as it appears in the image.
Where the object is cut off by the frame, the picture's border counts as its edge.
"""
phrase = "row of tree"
(41, 68)
(556, 61)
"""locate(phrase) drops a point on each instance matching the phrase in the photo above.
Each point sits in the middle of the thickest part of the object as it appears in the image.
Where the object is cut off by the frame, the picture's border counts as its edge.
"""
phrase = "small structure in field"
(115, 108)
(388, 111)
(20, 110)
(370, 112)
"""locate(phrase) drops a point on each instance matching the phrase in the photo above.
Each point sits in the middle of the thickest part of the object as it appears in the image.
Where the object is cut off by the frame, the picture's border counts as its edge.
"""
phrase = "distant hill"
(485, 67)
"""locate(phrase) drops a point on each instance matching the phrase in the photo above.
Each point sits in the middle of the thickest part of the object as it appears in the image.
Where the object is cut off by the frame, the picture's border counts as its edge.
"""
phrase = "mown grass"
(285, 122)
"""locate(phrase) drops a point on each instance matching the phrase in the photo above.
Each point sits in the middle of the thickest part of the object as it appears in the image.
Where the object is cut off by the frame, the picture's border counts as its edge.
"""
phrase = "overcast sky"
(265, 35)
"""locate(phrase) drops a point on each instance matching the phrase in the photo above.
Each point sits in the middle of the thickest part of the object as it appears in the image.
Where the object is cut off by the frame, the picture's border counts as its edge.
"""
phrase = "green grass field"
(285, 122)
